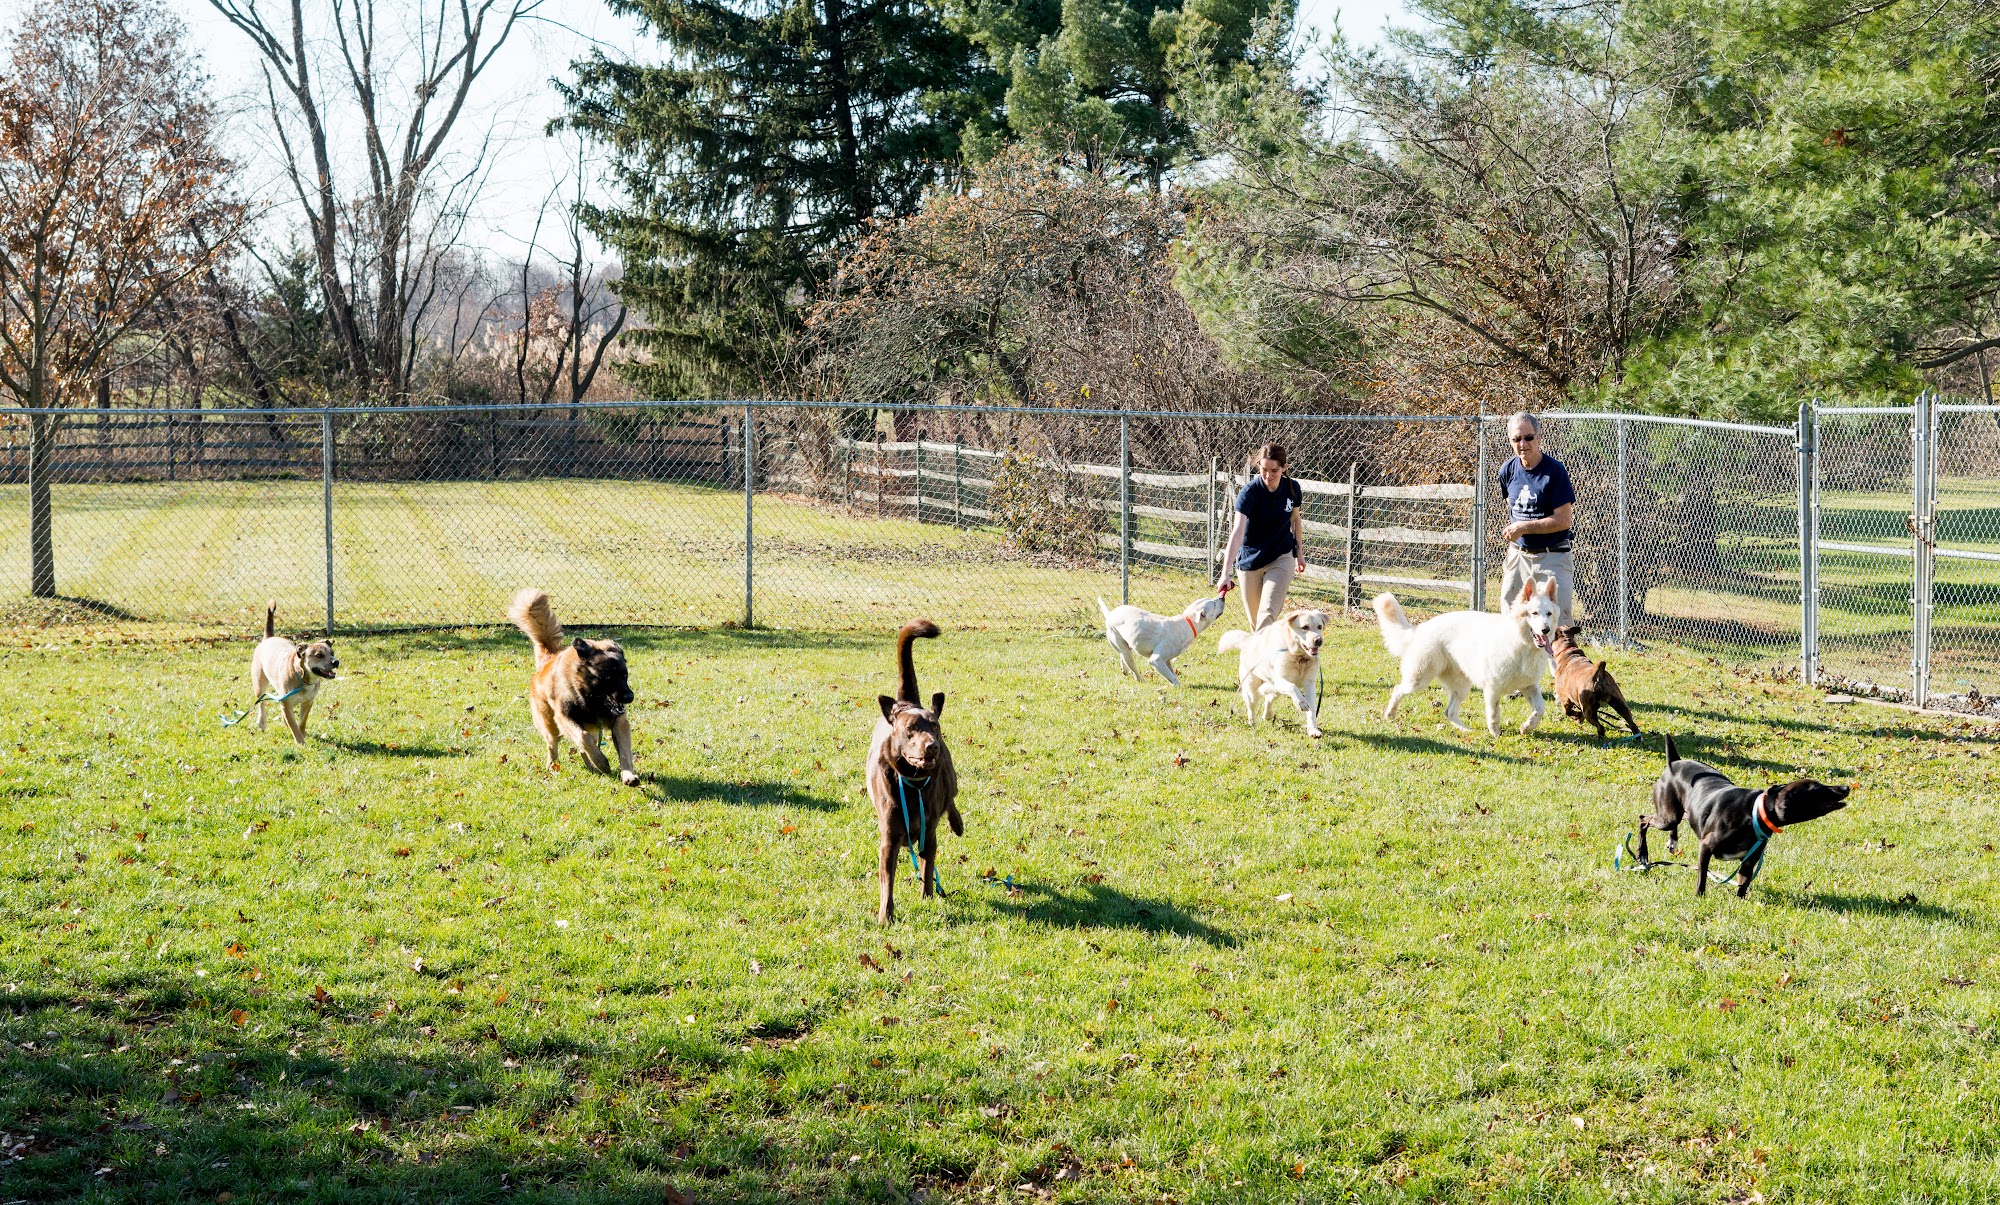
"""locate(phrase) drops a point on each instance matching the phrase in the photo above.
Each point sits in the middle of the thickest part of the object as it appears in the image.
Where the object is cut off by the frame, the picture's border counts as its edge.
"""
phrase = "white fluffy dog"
(1281, 659)
(1500, 654)
(1141, 636)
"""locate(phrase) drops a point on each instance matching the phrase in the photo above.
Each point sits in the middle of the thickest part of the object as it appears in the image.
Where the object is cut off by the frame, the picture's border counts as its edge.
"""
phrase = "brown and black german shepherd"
(577, 691)
(910, 776)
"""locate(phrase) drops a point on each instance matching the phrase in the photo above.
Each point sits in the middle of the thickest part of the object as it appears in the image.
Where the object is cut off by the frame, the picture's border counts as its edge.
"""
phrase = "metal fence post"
(326, 505)
(1214, 466)
(1353, 508)
(920, 476)
(1479, 514)
(958, 483)
(1124, 508)
(1921, 464)
(1624, 547)
(1808, 440)
(749, 531)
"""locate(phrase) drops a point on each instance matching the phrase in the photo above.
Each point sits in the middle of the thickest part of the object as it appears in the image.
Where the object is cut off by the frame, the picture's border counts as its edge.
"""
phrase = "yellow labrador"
(1281, 659)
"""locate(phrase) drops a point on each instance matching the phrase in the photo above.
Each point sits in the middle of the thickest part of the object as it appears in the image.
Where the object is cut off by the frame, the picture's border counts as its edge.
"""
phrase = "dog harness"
(918, 835)
(230, 721)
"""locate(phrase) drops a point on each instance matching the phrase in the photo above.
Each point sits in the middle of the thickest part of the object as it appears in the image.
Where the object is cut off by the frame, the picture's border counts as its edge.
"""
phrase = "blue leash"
(230, 721)
(918, 834)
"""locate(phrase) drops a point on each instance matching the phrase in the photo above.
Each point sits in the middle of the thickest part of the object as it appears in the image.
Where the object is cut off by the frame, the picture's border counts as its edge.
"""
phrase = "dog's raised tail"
(1673, 751)
(1104, 608)
(531, 613)
(906, 663)
(1395, 625)
(1233, 639)
(270, 619)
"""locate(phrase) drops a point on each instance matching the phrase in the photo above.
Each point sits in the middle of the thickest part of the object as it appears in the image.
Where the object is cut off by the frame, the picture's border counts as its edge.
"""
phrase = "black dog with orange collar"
(1728, 820)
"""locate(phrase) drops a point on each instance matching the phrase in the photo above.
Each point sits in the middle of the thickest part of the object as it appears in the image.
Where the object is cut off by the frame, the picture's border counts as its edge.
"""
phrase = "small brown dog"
(1583, 685)
(283, 673)
(578, 691)
(910, 775)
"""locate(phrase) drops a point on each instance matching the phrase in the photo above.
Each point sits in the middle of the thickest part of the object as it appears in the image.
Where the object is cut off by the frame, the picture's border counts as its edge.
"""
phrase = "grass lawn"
(407, 964)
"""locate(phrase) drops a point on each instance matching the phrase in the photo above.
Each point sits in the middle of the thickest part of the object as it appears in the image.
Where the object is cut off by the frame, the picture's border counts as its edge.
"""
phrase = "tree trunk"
(41, 511)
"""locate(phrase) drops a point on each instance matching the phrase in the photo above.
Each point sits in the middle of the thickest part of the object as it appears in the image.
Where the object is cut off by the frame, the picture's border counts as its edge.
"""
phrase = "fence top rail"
(1658, 419)
(1903, 410)
(303, 412)
(738, 404)
(1966, 408)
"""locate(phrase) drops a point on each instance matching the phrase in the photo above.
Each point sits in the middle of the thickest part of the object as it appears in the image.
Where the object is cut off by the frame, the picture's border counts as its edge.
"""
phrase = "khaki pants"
(1558, 565)
(1264, 589)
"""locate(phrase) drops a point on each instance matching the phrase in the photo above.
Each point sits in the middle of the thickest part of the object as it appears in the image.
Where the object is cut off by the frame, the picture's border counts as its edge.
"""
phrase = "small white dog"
(283, 673)
(1141, 636)
(1281, 659)
(1500, 654)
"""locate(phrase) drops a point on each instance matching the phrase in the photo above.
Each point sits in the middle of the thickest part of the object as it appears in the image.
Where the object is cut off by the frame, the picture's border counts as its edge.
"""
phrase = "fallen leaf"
(1785, 979)
(1726, 1005)
(501, 998)
(402, 851)
(1285, 898)
(1111, 1006)
(235, 949)
(238, 1017)
(1299, 1170)
(1180, 759)
(320, 995)
(868, 960)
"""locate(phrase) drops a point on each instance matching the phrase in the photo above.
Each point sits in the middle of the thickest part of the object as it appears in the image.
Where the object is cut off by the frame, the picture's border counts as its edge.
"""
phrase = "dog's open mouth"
(1542, 643)
(324, 673)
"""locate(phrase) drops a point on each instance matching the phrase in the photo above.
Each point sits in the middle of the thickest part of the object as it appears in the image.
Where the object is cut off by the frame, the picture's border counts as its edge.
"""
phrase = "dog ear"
(888, 706)
(1528, 589)
(582, 648)
(937, 705)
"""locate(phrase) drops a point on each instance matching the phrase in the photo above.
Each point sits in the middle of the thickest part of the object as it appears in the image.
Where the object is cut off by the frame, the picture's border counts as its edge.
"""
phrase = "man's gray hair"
(1522, 416)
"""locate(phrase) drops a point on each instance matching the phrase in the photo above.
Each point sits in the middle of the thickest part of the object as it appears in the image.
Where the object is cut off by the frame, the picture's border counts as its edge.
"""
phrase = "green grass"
(407, 964)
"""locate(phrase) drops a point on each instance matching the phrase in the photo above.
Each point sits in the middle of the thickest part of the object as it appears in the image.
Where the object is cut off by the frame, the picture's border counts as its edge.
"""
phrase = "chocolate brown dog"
(577, 691)
(910, 775)
(1730, 821)
(1583, 685)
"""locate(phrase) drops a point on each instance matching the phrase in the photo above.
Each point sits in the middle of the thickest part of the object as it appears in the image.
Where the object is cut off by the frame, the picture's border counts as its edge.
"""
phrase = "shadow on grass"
(504, 638)
(675, 788)
(1096, 906)
(62, 609)
(1850, 904)
(151, 1095)
(1402, 742)
(385, 749)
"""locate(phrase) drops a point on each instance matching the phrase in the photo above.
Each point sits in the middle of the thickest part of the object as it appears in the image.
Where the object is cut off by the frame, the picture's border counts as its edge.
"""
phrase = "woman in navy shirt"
(1267, 545)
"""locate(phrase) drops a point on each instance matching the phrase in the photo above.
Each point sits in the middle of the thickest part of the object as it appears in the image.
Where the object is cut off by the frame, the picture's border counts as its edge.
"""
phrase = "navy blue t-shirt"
(1268, 534)
(1535, 494)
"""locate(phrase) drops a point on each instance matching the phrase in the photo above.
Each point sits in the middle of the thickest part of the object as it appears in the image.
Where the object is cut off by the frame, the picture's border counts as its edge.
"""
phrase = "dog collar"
(1191, 628)
(1764, 817)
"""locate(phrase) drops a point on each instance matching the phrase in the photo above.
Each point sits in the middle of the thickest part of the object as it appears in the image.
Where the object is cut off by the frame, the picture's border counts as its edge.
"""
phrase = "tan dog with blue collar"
(283, 673)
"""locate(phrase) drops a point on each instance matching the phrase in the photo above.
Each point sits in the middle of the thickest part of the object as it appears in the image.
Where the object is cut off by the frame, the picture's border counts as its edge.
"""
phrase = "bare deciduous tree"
(376, 247)
(108, 169)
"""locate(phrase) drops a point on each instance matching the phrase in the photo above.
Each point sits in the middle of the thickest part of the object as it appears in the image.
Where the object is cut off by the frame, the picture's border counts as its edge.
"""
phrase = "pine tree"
(1098, 76)
(771, 133)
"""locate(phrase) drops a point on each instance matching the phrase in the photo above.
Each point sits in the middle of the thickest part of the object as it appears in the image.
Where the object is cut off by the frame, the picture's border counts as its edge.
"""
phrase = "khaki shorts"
(1559, 565)
(1264, 589)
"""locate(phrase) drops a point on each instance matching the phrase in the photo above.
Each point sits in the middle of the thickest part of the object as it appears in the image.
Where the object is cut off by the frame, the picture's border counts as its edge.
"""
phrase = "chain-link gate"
(1963, 530)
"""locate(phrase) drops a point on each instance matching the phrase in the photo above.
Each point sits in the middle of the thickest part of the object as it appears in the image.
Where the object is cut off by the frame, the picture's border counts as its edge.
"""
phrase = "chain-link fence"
(814, 516)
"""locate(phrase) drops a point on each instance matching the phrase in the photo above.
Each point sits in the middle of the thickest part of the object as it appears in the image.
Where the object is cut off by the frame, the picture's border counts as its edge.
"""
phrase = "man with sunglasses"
(1539, 502)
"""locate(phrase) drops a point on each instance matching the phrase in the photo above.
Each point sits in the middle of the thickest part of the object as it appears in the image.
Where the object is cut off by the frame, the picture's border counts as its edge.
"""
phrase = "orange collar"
(1191, 628)
(1764, 815)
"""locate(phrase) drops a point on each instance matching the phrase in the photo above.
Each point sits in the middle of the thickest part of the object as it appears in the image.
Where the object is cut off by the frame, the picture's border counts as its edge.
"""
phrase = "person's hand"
(1511, 531)
(1298, 564)
(1222, 584)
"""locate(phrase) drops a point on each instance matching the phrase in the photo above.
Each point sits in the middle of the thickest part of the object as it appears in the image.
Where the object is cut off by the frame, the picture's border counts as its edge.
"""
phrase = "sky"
(514, 101)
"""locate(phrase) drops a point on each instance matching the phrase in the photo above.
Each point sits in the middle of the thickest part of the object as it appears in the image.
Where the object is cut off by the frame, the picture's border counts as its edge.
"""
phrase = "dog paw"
(628, 778)
(1314, 733)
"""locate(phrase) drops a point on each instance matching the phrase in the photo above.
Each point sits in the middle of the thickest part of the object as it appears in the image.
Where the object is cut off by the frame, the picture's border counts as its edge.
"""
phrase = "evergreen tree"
(772, 131)
(1098, 76)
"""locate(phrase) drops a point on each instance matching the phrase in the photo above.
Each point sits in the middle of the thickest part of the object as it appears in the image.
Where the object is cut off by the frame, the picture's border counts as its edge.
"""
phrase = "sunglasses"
(1521, 439)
